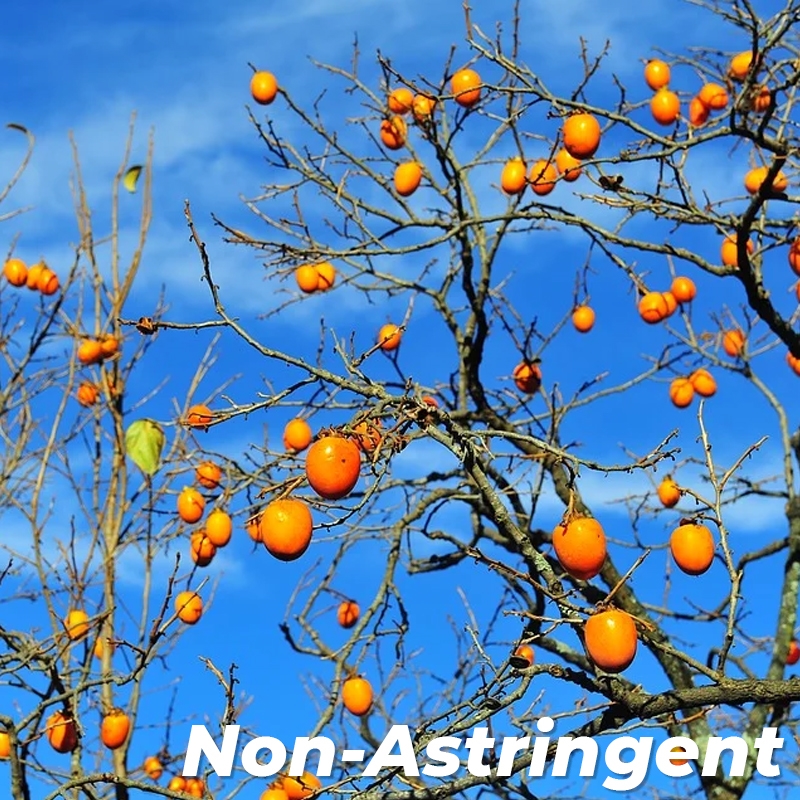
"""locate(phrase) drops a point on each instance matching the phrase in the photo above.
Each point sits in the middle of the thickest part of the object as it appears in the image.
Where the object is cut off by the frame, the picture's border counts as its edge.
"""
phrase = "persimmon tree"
(491, 226)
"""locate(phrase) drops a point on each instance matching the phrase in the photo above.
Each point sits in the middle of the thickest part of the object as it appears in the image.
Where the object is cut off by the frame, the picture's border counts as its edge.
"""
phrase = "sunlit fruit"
(681, 392)
(191, 505)
(522, 657)
(581, 135)
(188, 607)
(333, 466)
(580, 547)
(47, 282)
(407, 178)
(401, 100)
(208, 475)
(665, 106)
(740, 65)
(733, 342)
(297, 435)
(543, 177)
(703, 382)
(527, 377)
(90, 351)
(754, 179)
(567, 165)
(683, 289)
(653, 307)
(15, 271)
(692, 548)
(583, 318)
(76, 624)
(611, 640)
(348, 613)
(5, 745)
(300, 787)
(713, 96)
(219, 527)
(153, 767)
(115, 728)
(263, 87)
(389, 337)
(61, 732)
(285, 528)
(87, 394)
(793, 656)
(672, 303)
(656, 74)
(668, 492)
(423, 107)
(393, 132)
(199, 416)
(201, 549)
(514, 177)
(698, 112)
(466, 87)
(357, 696)
(729, 251)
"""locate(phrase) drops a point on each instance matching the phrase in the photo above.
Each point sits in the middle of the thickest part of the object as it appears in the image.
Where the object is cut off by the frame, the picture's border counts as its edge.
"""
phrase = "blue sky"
(86, 67)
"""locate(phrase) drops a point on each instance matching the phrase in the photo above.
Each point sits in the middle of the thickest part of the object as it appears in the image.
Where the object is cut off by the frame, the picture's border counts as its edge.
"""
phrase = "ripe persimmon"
(263, 87)
(102, 645)
(580, 547)
(90, 351)
(208, 475)
(326, 274)
(201, 549)
(47, 282)
(692, 547)
(514, 177)
(32, 282)
(199, 416)
(740, 66)
(188, 607)
(681, 392)
(568, 166)
(794, 255)
(307, 278)
(656, 74)
(793, 656)
(5, 745)
(348, 613)
(298, 788)
(527, 377)
(683, 289)
(466, 87)
(153, 767)
(703, 382)
(115, 728)
(389, 337)
(177, 784)
(583, 318)
(274, 793)
(253, 528)
(729, 250)
(195, 787)
(761, 99)
(219, 527)
(522, 657)
(713, 96)
(87, 394)
(423, 107)
(368, 435)
(16, 271)
(794, 363)
(76, 624)
(675, 760)
(333, 466)
(733, 343)
(357, 696)
(672, 303)
(669, 492)
(297, 435)
(543, 177)
(653, 307)
(698, 112)
(401, 100)
(581, 135)
(407, 178)
(191, 505)
(393, 133)
(665, 106)
(61, 732)
(756, 177)
(611, 640)
(285, 527)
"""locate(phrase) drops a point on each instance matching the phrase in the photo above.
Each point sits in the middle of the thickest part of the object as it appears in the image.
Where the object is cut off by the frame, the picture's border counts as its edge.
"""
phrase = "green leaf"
(144, 442)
